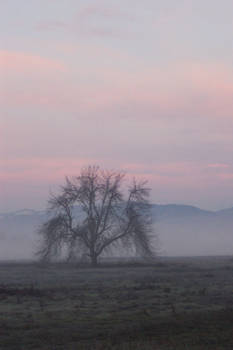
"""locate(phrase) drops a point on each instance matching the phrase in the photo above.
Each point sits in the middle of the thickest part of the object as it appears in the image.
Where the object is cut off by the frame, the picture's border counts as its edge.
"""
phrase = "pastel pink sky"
(145, 89)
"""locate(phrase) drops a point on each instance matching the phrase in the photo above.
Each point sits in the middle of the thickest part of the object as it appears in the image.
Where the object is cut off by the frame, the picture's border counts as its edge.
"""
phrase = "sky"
(143, 87)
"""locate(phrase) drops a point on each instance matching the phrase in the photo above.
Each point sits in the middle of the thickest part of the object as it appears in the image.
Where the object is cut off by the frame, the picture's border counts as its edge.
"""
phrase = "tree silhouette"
(92, 214)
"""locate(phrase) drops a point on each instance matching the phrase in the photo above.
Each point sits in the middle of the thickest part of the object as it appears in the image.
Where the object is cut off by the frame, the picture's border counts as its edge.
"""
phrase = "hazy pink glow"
(30, 80)
(218, 165)
(49, 169)
(21, 61)
(227, 177)
(178, 179)
(142, 88)
(185, 89)
(43, 170)
(182, 174)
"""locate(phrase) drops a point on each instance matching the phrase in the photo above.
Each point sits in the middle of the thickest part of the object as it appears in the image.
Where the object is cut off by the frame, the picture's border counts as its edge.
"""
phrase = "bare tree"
(91, 215)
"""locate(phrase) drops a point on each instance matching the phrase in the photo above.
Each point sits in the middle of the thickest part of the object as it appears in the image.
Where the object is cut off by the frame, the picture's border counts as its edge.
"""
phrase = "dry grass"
(172, 304)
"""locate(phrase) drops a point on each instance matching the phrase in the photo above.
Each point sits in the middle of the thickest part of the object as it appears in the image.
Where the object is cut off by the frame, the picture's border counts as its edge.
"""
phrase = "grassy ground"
(172, 304)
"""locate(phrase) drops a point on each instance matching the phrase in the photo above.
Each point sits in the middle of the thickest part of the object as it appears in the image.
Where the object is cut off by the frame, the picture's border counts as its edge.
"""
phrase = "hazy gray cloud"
(51, 25)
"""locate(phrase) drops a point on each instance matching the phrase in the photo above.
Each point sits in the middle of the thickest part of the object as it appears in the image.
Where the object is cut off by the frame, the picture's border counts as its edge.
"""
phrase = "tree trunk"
(94, 261)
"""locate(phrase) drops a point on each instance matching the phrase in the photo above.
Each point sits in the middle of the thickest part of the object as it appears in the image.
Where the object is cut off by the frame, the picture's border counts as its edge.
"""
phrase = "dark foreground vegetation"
(172, 304)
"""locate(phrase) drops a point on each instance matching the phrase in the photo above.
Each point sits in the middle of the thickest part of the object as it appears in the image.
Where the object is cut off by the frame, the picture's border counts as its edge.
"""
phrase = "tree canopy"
(95, 212)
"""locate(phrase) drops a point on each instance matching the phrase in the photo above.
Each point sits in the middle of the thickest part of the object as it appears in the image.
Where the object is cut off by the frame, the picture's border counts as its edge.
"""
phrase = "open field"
(175, 303)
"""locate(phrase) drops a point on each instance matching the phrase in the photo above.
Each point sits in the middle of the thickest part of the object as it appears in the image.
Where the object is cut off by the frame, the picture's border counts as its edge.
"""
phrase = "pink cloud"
(227, 177)
(189, 89)
(34, 169)
(211, 85)
(218, 165)
(175, 175)
(30, 80)
(184, 90)
(52, 171)
(183, 181)
(25, 62)
(40, 169)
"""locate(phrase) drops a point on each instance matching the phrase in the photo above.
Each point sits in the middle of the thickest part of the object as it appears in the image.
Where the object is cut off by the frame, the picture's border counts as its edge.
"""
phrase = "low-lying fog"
(182, 230)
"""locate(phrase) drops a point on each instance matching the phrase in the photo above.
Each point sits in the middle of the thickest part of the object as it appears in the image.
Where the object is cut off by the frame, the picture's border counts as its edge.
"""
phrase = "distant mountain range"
(182, 229)
(180, 210)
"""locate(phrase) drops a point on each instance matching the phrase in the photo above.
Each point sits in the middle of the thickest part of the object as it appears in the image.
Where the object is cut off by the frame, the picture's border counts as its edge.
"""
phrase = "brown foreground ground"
(173, 304)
